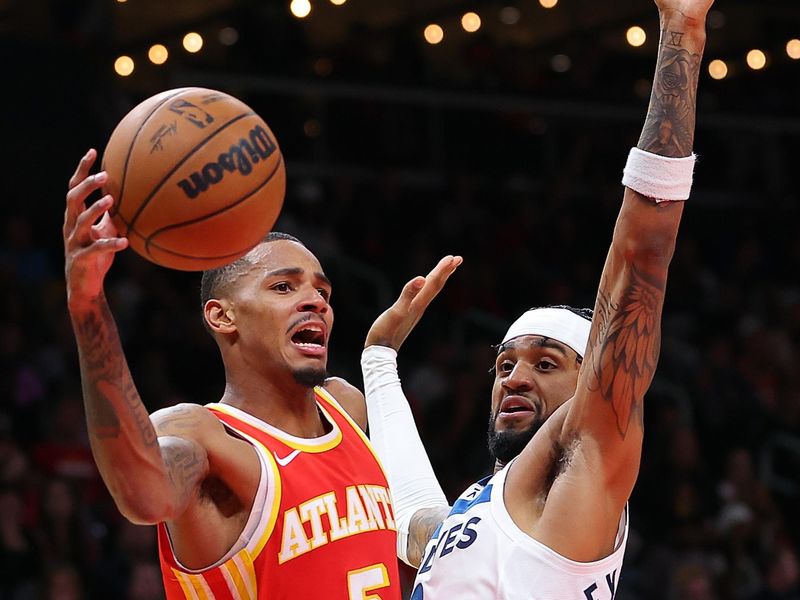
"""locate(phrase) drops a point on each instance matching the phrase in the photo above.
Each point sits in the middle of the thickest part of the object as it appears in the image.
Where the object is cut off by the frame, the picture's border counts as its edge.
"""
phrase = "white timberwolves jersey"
(478, 553)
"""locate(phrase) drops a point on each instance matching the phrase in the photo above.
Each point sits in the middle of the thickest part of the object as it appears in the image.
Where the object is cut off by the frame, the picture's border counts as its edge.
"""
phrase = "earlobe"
(220, 316)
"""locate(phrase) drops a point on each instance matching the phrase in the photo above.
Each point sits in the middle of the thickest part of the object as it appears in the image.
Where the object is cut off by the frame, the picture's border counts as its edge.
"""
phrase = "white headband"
(558, 324)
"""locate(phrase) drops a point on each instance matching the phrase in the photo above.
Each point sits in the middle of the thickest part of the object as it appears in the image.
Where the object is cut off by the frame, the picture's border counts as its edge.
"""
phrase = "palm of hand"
(86, 273)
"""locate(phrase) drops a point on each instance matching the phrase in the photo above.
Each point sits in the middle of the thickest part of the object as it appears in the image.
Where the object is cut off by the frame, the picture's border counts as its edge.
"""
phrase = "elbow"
(146, 512)
(651, 251)
(648, 238)
(144, 506)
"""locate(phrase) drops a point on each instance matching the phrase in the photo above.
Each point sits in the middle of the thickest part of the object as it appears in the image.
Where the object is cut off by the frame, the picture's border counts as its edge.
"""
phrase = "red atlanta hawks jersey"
(321, 526)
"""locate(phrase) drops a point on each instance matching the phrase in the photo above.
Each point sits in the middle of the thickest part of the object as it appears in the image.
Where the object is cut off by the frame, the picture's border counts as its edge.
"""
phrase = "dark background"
(399, 152)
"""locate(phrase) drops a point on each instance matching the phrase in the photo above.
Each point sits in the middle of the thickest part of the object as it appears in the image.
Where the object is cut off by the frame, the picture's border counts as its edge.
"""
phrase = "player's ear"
(220, 316)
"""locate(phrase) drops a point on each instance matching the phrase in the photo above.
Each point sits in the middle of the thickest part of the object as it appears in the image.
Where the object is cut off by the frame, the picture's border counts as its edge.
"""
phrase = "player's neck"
(292, 408)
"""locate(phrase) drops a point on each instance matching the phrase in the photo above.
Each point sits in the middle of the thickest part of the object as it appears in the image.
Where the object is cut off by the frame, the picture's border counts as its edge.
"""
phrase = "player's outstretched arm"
(150, 482)
(418, 500)
(601, 440)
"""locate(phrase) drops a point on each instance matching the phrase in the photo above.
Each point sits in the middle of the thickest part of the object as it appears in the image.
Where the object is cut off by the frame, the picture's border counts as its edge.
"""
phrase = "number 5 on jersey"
(362, 581)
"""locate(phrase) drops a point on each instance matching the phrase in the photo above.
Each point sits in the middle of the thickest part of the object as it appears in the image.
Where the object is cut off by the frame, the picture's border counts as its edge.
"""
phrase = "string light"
(123, 66)
(718, 69)
(636, 36)
(338, 2)
(158, 54)
(793, 49)
(471, 22)
(192, 42)
(548, 3)
(300, 8)
(434, 34)
(756, 59)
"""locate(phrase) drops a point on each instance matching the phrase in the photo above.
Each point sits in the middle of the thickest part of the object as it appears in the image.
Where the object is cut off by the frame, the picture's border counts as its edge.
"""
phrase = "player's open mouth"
(516, 405)
(310, 339)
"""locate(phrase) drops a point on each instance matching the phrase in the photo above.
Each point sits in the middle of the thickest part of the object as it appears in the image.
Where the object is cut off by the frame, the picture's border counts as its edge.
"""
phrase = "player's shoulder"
(338, 386)
(185, 420)
(349, 397)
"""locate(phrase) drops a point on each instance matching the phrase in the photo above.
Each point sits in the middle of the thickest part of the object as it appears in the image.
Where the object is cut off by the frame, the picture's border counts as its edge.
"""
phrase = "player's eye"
(282, 286)
(546, 365)
(326, 295)
(505, 366)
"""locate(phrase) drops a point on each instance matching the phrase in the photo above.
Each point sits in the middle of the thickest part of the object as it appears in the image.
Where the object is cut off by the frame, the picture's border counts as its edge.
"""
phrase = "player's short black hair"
(215, 280)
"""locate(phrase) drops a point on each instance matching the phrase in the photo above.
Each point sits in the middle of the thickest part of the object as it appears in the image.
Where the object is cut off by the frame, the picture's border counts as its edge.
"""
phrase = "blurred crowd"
(713, 514)
(529, 200)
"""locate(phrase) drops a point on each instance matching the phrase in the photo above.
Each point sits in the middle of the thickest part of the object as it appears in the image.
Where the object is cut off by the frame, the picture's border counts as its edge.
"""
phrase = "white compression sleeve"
(394, 436)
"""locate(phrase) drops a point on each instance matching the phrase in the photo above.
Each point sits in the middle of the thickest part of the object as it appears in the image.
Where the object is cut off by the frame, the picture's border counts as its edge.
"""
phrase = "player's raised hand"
(691, 9)
(90, 238)
(393, 326)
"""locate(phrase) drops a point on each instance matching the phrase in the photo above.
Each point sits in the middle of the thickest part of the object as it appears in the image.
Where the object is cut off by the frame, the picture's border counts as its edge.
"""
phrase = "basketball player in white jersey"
(566, 409)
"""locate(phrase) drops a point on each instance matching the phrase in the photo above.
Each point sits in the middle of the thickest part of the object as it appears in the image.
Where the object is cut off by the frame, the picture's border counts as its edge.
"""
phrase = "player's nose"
(520, 378)
(313, 301)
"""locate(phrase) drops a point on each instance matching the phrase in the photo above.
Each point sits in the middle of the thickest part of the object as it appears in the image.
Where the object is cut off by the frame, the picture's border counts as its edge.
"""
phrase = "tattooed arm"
(151, 479)
(595, 455)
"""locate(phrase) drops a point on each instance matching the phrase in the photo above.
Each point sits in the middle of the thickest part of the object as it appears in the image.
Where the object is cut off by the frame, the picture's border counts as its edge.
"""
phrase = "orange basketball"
(197, 178)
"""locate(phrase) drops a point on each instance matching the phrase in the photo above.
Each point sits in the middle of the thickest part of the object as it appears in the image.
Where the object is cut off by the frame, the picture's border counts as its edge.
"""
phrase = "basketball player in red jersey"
(274, 492)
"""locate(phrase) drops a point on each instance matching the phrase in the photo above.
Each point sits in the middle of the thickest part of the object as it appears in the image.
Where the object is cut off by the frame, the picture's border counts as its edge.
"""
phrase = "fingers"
(435, 280)
(395, 324)
(82, 170)
(81, 185)
(410, 291)
(105, 228)
(81, 231)
(99, 247)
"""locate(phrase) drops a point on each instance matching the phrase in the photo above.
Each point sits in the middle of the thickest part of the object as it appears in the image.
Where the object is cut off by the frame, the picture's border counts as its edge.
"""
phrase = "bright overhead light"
(471, 22)
(338, 2)
(636, 36)
(300, 8)
(433, 34)
(756, 59)
(192, 42)
(158, 54)
(793, 49)
(718, 69)
(548, 3)
(123, 66)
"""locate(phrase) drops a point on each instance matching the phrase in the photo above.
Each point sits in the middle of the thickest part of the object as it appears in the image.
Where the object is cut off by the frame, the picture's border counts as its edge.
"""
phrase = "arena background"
(505, 145)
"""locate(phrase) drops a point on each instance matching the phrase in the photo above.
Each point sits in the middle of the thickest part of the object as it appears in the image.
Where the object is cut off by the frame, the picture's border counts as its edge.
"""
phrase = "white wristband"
(394, 436)
(659, 177)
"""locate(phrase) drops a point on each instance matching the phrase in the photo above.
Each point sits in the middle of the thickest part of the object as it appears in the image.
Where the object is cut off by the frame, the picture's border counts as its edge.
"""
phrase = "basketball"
(197, 178)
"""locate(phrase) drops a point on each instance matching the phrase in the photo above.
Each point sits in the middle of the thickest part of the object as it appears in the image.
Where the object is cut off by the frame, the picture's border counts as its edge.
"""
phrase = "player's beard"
(506, 445)
(310, 377)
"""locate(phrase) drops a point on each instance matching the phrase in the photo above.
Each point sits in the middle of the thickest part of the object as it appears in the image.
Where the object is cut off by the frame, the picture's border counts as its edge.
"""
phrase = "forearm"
(646, 230)
(670, 124)
(408, 470)
(122, 437)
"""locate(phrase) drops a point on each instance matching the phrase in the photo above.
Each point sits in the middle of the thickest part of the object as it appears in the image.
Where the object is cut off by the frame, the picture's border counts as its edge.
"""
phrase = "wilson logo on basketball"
(241, 157)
